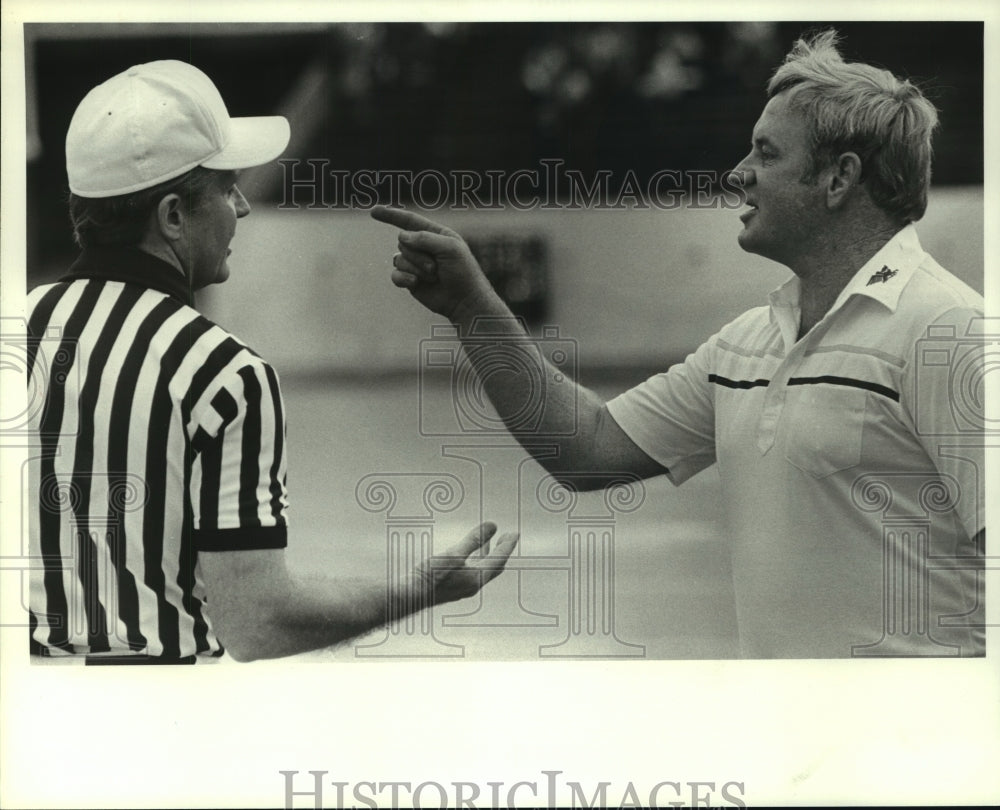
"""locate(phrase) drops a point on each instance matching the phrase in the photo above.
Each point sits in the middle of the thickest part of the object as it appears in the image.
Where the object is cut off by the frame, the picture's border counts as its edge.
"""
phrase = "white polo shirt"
(851, 461)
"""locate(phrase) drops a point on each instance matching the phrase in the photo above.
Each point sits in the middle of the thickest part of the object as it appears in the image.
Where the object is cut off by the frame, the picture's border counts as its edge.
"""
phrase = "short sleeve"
(671, 416)
(238, 482)
(944, 392)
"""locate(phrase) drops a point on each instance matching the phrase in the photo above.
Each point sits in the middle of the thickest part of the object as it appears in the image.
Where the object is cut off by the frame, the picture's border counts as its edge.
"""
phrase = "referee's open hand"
(466, 567)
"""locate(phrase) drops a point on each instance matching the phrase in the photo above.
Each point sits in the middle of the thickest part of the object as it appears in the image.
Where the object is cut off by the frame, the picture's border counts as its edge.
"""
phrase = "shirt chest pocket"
(825, 426)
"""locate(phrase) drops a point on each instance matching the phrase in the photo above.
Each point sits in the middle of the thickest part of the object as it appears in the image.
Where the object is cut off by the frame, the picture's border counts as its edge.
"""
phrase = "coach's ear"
(845, 175)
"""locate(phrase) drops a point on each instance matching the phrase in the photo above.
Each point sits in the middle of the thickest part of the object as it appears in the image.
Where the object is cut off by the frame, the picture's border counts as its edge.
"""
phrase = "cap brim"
(252, 142)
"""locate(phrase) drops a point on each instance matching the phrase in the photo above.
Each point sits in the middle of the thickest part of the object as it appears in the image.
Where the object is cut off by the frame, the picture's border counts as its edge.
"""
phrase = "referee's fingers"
(503, 547)
(475, 539)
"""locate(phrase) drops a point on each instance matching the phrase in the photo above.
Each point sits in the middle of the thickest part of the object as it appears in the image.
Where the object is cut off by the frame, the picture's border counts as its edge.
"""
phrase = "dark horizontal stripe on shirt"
(250, 538)
(829, 379)
(135, 660)
(726, 382)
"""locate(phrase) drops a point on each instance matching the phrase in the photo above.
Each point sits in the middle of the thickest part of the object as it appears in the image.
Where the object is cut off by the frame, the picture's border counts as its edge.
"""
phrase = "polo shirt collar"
(131, 266)
(787, 295)
(883, 277)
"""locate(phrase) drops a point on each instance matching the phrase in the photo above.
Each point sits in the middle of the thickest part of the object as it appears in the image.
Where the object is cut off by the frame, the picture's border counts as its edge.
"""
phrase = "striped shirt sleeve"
(238, 482)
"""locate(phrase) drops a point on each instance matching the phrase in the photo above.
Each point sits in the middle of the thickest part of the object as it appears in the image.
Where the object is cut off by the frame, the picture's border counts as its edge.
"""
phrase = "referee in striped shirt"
(159, 490)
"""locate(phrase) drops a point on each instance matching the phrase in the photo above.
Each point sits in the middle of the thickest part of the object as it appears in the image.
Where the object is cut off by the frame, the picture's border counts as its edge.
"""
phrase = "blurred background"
(628, 289)
(633, 285)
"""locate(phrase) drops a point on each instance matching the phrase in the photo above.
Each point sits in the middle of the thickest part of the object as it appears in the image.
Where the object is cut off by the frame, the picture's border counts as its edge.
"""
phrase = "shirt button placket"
(774, 398)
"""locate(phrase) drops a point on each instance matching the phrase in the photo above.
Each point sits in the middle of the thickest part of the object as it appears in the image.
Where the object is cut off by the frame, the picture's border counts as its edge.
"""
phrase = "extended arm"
(260, 609)
(436, 266)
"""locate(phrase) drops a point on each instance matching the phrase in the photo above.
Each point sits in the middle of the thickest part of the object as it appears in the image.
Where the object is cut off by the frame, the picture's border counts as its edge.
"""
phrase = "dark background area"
(474, 96)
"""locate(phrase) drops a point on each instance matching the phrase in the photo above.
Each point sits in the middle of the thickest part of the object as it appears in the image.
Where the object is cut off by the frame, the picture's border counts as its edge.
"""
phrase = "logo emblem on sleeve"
(882, 275)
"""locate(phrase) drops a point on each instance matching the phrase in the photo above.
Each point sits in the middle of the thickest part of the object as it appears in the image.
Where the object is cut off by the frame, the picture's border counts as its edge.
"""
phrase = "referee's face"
(213, 226)
(785, 204)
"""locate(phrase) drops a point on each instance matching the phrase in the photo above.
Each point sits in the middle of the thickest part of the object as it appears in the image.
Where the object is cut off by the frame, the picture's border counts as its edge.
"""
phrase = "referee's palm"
(461, 571)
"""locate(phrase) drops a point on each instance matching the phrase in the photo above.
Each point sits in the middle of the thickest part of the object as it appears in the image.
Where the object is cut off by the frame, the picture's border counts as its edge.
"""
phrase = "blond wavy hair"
(854, 107)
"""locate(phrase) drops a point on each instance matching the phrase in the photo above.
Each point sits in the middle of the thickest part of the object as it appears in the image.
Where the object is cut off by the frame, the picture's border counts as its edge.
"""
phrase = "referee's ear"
(169, 217)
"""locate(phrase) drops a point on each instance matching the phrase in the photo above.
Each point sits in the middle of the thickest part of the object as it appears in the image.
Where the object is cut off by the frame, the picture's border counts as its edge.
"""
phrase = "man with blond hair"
(851, 466)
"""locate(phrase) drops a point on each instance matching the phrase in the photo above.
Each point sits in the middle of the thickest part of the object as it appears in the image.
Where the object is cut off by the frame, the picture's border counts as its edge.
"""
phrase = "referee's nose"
(242, 206)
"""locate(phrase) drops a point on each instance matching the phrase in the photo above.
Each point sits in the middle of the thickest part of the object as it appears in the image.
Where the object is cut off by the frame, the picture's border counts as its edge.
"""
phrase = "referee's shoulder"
(217, 336)
(218, 361)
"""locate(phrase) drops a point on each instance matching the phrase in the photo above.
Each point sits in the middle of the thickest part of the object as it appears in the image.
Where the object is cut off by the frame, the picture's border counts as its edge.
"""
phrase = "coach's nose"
(741, 176)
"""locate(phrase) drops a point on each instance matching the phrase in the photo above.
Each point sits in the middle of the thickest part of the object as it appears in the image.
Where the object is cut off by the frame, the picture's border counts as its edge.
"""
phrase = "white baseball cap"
(156, 121)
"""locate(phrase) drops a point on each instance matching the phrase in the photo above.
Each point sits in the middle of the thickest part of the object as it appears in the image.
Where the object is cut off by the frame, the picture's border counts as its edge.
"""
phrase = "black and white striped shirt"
(160, 435)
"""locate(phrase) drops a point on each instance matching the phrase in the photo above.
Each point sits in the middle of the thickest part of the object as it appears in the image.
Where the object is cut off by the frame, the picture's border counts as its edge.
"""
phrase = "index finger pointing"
(408, 220)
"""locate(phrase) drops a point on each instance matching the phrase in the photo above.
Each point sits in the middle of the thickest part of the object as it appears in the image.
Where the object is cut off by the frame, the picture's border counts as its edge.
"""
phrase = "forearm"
(540, 404)
(262, 610)
(320, 613)
(297, 613)
(566, 427)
